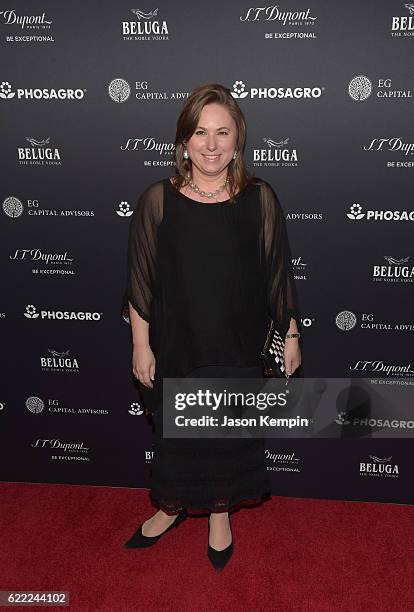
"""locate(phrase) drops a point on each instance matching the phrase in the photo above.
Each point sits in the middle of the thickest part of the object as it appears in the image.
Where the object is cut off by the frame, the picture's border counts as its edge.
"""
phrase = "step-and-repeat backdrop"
(90, 94)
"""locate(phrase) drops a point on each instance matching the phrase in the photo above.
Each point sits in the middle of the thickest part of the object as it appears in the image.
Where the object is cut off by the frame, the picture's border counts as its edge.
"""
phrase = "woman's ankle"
(219, 515)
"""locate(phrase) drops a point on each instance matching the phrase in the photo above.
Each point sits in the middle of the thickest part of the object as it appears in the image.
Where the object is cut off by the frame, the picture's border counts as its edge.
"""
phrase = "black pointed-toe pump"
(138, 540)
(219, 558)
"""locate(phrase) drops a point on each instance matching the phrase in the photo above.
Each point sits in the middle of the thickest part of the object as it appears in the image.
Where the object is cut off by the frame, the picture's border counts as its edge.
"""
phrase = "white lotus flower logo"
(238, 90)
(124, 210)
(135, 409)
(5, 90)
(342, 418)
(356, 212)
(31, 312)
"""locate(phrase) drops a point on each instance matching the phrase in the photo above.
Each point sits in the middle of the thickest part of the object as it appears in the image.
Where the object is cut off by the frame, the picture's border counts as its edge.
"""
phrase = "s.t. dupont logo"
(29, 22)
(279, 24)
(26, 28)
(273, 13)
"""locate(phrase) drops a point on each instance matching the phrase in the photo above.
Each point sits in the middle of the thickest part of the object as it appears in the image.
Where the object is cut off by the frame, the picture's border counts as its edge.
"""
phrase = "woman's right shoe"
(219, 558)
(138, 540)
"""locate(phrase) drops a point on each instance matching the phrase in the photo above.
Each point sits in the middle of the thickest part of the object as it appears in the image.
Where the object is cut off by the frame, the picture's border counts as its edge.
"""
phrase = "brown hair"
(187, 122)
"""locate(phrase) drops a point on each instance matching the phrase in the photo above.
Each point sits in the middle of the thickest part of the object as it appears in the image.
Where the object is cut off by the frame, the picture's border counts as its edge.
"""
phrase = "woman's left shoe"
(219, 558)
(138, 540)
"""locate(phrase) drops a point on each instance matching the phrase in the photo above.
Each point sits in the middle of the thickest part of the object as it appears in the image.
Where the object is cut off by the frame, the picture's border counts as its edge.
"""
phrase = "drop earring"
(185, 154)
(235, 154)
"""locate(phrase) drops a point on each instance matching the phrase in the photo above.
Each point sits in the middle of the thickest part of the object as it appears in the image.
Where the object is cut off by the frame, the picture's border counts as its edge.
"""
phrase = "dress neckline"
(205, 204)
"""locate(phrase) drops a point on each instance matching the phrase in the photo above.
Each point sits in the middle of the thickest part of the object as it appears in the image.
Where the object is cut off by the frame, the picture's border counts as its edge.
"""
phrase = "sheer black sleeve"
(142, 251)
(280, 284)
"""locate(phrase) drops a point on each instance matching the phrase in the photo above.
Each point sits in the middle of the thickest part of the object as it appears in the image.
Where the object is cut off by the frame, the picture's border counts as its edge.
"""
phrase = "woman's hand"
(143, 364)
(292, 355)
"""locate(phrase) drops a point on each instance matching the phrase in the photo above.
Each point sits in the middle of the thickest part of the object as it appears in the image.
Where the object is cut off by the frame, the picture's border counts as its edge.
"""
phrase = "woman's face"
(212, 145)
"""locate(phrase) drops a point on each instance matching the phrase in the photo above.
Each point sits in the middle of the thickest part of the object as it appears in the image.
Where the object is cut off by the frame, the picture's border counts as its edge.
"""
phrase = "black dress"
(206, 276)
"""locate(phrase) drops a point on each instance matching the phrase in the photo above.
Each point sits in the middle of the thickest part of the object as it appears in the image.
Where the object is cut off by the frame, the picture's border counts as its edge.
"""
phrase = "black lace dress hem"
(172, 508)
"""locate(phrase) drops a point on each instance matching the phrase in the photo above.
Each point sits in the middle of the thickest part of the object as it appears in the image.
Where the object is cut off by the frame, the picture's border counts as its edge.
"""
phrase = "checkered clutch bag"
(272, 353)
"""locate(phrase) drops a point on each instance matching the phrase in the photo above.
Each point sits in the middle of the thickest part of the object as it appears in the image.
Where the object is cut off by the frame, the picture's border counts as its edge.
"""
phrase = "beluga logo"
(397, 270)
(146, 27)
(404, 25)
(41, 153)
(277, 153)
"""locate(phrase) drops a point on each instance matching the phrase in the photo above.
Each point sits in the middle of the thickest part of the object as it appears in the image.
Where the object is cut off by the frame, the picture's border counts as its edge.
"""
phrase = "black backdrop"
(90, 94)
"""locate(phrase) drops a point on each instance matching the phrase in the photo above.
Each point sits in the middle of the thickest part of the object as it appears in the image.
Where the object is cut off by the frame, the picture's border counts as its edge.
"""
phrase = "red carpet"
(293, 555)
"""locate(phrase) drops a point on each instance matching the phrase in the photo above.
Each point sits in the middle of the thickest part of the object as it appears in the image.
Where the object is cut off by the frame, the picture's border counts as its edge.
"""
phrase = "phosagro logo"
(124, 209)
(29, 93)
(135, 409)
(345, 418)
(355, 213)
(240, 91)
(31, 313)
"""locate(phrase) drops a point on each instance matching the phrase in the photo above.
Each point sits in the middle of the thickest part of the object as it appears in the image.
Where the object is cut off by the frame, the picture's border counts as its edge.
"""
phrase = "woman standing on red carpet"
(208, 262)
